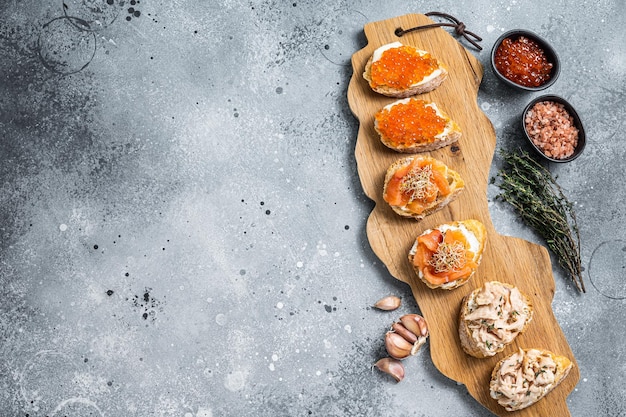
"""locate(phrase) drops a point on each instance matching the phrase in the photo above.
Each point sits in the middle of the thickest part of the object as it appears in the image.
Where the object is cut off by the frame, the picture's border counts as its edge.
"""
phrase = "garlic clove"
(397, 346)
(392, 367)
(418, 344)
(415, 324)
(388, 303)
(404, 332)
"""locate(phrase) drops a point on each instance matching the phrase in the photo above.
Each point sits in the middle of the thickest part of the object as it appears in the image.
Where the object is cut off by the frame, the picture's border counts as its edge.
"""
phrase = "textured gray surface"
(182, 223)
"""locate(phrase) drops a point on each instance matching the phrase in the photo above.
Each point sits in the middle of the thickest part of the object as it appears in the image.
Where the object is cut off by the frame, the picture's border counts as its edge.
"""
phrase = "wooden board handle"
(506, 259)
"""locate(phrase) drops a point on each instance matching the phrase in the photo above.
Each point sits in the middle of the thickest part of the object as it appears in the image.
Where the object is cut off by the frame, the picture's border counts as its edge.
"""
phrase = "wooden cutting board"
(506, 259)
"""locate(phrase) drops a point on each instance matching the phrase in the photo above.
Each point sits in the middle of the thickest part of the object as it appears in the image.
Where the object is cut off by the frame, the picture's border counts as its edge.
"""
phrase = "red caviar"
(523, 61)
(407, 124)
(402, 67)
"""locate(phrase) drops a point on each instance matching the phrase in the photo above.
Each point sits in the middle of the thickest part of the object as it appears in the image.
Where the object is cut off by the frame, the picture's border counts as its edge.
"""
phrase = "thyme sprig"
(539, 200)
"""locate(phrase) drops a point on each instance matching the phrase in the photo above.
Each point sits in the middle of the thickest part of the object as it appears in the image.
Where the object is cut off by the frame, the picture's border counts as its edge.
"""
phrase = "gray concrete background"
(182, 223)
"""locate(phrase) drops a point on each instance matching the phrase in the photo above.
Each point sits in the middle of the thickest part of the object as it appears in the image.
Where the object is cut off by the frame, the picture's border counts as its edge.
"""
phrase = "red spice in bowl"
(552, 129)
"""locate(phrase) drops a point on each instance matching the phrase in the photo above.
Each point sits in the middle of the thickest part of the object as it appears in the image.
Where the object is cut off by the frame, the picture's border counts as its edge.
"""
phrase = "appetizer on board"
(447, 256)
(416, 186)
(398, 70)
(523, 378)
(491, 317)
(415, 125)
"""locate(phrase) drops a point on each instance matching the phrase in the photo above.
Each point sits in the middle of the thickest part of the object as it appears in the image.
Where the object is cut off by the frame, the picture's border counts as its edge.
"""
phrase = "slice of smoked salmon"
(431, 240)
(427, 246)
(395, 196)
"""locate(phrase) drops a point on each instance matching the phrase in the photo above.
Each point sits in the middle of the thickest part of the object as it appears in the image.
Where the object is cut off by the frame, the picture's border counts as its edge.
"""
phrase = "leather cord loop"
(459, 28)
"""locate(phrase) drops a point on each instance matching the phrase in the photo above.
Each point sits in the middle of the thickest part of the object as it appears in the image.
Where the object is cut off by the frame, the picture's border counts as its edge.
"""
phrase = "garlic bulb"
(407, 336)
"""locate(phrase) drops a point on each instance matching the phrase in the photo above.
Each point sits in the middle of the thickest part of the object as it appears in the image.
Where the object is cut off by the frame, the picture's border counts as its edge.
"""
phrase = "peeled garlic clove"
(388, 303)
(404, 332)
(397, 346)
(415, 324)
(392, 367)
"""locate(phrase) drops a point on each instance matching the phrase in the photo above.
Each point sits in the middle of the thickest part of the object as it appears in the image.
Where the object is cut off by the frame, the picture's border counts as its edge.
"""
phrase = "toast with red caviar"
(526, 376)
(398, 70)
(412, 125)
(491, 317)
(418, 185)
(447, 256)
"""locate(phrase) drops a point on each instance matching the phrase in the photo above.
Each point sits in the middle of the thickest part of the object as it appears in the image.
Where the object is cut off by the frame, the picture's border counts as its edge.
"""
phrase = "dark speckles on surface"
(92, 16)
(231, 324)
(133, 11)
(147, 305)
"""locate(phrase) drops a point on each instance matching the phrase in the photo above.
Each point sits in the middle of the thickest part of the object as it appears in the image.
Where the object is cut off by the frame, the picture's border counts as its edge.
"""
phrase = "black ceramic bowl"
(549, 52)
(577, 123)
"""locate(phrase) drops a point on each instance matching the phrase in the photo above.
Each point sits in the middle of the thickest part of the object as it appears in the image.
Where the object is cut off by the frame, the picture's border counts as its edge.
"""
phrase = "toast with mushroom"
(397, 70)
(491, 317)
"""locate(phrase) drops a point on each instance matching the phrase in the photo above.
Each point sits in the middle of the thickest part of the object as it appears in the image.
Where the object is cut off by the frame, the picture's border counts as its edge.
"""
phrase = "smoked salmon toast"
(414, 125)
(397, 70)
(447, 256)
(491, 317)
(418, 185)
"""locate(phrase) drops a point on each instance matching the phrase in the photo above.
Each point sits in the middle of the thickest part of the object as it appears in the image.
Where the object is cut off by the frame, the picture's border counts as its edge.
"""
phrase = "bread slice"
(491, 317)
(448, 256)
(525, 377)
(404, 71)
(416, 186)
(414, 125)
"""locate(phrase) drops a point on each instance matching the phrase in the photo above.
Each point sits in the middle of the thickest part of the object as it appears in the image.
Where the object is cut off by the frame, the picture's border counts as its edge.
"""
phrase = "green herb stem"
(540, 202)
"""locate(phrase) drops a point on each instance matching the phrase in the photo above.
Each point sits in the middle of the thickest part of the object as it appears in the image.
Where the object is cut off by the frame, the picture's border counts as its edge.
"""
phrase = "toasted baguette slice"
(491, 317)
(525, 377)
(416, 72)
(416, 186)
(448, 256)
(414, 125)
